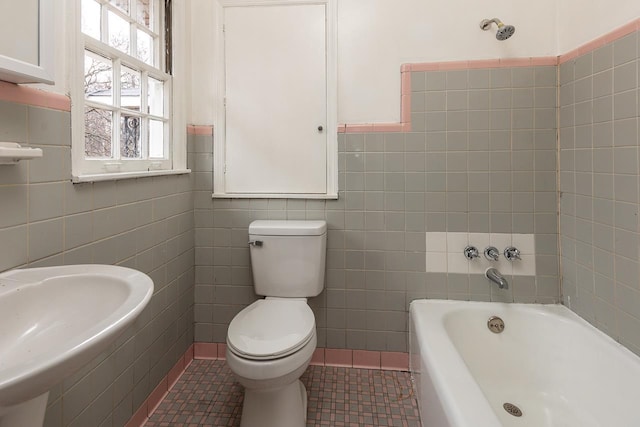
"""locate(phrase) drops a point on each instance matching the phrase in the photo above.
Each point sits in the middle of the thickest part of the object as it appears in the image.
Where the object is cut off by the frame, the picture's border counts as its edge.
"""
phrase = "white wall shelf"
(11, 153)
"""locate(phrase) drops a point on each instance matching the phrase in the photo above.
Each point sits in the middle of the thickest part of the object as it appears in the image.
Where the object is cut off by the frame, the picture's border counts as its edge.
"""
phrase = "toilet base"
(281, 407)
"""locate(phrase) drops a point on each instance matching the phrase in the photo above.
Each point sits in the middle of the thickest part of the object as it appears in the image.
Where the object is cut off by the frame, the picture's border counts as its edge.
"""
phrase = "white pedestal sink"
(53, 321)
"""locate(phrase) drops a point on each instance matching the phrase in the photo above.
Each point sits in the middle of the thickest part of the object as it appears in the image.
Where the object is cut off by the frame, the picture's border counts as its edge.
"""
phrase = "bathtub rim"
(459, 394)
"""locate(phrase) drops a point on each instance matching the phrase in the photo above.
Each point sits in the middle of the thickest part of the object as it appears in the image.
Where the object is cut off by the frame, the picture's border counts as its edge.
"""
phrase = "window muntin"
(126, 92)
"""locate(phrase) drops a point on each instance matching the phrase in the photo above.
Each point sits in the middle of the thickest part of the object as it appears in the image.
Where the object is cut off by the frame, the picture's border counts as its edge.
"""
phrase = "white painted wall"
(376, 36)
(202, 62)
(580, 22)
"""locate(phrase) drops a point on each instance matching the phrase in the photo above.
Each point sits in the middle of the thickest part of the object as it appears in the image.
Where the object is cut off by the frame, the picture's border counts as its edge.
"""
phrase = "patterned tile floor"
(208, 395)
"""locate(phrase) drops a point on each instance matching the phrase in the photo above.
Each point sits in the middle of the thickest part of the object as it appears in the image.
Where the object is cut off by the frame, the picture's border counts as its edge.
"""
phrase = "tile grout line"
(365, 359)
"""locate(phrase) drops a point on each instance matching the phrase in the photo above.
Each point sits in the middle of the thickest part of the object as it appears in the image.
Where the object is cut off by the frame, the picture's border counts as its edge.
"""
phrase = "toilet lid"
(271, 328)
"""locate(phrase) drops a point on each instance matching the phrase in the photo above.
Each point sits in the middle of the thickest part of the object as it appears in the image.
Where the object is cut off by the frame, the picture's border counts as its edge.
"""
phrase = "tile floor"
(208, 395)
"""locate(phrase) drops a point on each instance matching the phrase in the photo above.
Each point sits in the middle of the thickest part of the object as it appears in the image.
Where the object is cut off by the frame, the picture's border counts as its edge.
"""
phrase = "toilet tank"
(288, 257)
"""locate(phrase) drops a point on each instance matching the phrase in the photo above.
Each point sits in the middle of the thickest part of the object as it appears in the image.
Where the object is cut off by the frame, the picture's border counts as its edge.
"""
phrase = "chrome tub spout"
(496, 277)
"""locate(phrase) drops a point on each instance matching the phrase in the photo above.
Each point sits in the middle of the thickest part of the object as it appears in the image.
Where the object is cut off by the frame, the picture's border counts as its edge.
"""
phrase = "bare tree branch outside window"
(98, 122)
(105, 108)
(97, 125)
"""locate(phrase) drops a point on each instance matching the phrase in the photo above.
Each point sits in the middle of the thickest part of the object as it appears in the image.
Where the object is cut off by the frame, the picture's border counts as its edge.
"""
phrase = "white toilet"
(270, 342)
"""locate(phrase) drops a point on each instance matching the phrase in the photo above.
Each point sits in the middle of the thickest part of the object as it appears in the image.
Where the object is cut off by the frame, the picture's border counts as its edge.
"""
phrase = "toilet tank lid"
(287, 228)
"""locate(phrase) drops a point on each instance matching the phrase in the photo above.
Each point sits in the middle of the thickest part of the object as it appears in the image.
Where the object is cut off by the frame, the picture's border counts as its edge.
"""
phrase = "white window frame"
(219, 138)
(93, 170)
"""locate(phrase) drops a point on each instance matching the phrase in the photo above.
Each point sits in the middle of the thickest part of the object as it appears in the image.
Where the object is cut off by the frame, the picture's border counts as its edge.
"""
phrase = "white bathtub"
(554, 366)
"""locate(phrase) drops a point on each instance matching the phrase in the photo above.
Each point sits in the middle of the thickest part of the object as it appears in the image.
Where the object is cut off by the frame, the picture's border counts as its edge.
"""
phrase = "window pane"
(98, 78)
(119, 33)
(156, 139)
(91, 18)
(145, 48)
(130, 137)
(130, 89)
(156, 98)
(97, 133)
(146, 13)
(121, 4)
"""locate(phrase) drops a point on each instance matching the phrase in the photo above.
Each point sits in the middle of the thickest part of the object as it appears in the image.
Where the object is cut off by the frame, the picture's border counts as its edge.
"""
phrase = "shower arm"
(485, 24)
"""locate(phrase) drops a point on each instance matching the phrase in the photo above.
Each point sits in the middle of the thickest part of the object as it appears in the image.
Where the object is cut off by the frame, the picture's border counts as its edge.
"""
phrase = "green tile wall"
(599, 176)
(481, 157)
(145, 224)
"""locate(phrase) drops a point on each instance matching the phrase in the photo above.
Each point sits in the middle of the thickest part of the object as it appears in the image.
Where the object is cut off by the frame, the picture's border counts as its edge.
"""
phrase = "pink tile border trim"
(38, 98)
(383, 360)
(405, 87)
(394, 127)
(199, 130)
(142, 414)
(406, 69)
(393, 361)
(156, 396)
(594, 44)
(366, 359)
(139, 418)
(318, 357)
(338, 357)
(222, 351)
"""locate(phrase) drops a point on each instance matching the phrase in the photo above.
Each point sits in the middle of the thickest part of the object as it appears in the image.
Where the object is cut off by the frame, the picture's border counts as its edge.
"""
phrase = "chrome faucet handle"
(512, 253)
(471, 252)
(491, 253)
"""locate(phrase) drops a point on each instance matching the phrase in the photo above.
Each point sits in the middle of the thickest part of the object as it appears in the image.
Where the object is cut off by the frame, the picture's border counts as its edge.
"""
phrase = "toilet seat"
(271, 328)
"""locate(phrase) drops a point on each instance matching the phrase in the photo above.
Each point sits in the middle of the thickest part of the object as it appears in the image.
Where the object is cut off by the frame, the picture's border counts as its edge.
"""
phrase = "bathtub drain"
(512, 409)
(495, 324)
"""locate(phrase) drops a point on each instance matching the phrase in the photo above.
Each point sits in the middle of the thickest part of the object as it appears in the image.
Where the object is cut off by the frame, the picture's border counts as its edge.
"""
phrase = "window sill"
(274, 196)
(117, 176)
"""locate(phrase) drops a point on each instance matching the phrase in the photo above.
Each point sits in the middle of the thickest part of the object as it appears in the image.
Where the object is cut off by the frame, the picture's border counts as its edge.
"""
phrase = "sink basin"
(54, 320)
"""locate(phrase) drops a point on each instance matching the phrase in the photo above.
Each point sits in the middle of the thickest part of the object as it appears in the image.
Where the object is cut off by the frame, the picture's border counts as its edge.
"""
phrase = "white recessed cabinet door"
(276, 99)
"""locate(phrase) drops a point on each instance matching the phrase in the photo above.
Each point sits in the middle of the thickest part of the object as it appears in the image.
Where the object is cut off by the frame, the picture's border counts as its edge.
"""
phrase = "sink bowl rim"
(97, 337)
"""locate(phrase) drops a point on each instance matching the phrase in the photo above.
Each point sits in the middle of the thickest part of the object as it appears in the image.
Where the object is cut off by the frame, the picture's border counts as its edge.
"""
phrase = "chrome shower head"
(504, 31)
